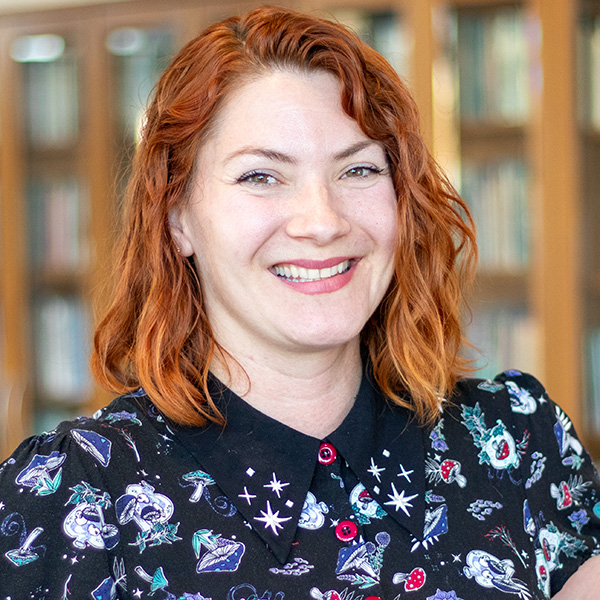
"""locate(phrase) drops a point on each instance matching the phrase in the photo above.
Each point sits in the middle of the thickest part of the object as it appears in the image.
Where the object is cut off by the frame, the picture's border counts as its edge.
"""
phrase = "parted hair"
(156, 333)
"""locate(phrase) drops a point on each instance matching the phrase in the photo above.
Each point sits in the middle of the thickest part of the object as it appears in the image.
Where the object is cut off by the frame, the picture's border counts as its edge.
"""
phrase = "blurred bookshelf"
(588, 47)
(493, 61)
(496, 84)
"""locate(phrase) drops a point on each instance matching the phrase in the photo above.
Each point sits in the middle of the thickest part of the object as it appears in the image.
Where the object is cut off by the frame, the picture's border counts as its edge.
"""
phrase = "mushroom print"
(365, 507)
(37, 475)
(95, 444)
(198, 479)
(216, 554)
(447, 471)
(413, 581)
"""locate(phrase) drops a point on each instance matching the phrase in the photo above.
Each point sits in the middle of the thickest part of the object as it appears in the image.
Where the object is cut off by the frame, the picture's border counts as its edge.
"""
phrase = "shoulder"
(83, 447)
(509, 395)
(513, 402)
(518, 404)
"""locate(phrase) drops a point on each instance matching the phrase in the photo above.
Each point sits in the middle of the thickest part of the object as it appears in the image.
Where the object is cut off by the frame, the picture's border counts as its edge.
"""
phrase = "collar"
(265, 467)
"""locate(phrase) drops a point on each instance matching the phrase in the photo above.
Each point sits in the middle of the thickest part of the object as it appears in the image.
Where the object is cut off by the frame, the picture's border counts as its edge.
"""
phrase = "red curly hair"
(156, 333)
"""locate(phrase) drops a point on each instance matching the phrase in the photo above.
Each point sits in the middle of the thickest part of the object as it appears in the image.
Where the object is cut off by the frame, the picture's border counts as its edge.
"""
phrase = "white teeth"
(303, 275)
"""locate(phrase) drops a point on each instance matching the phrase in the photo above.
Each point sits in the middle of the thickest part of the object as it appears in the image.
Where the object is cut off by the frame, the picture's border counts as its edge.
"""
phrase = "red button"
(346, 531)
(327, 453)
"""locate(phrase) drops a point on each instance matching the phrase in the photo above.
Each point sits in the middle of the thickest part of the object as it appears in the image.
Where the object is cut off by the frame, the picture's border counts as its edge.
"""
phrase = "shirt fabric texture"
(498, 501)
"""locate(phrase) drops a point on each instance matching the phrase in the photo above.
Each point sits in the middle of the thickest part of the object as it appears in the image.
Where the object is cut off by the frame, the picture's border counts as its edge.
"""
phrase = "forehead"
(284, 106)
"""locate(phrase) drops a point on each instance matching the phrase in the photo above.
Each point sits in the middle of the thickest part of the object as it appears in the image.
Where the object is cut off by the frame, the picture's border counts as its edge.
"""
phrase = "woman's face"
(291, 219)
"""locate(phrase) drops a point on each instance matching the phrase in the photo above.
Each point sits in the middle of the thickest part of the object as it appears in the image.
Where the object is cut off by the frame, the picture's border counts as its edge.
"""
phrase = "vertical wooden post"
(419, 16)
(13, 259)
(556, 204)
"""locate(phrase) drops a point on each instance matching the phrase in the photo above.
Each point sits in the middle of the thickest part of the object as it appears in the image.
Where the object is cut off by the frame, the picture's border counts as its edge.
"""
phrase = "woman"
(286, 332)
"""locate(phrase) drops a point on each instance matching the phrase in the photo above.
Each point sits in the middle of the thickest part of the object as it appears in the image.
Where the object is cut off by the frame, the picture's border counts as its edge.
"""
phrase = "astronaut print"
(497, 499)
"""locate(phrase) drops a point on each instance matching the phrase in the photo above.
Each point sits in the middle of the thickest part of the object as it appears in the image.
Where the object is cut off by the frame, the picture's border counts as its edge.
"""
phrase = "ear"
(179, 231)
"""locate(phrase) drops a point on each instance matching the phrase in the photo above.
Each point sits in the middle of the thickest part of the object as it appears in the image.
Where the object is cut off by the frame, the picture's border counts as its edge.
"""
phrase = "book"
(493, 50)
(497, 194)
(61, 345)
(504, 337)
(52, 102)
(138, 57)
(592, 406)
(588, 49)
(58, 224)
(385, 31)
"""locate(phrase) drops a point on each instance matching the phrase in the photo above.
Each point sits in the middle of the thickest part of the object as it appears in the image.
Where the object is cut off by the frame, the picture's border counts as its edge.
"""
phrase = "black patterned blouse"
(498, 501)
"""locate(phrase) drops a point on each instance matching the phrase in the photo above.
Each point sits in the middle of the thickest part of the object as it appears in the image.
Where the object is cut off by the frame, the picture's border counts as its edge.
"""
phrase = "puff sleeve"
(58, 537)
(561, 512)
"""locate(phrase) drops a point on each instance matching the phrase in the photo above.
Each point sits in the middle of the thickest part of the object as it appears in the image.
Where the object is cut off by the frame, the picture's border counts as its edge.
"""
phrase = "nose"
(317, 214)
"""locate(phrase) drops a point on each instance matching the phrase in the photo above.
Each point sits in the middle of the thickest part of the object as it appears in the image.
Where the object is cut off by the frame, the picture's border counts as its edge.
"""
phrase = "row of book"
(592, 415)
(61, 339)
(58, 224)
(52, 102)
(589, 71)
(138, 56)
(504, 337)
(383, 31)
(497, 195)
(494, 64)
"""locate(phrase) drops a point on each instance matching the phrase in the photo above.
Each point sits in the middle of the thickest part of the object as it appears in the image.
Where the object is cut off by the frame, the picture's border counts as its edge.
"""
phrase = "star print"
(397, 500)
(375, 470)
(404, 473)
(138, 593)
(542, 400)
(438, 458)
(272, 519)
(456, 558)
(276, 485)
(247, 495)
(165, 437)
(73, 560)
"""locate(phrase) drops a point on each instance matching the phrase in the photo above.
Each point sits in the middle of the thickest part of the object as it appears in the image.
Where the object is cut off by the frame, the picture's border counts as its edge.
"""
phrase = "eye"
(257, 178)
(361, 172)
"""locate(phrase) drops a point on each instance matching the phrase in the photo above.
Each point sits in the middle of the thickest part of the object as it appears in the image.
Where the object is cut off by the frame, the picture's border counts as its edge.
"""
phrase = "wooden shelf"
(501, 287)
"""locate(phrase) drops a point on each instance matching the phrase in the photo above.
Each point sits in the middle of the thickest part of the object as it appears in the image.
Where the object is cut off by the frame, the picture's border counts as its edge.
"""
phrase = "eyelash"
(245, 178)
(372, 170)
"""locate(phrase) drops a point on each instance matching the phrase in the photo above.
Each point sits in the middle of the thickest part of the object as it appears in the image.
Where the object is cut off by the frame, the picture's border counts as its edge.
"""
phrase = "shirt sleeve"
(561, 512)
(58, 538)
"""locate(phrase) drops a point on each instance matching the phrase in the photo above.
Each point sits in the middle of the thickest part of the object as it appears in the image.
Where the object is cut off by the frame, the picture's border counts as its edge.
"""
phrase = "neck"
(312, 394)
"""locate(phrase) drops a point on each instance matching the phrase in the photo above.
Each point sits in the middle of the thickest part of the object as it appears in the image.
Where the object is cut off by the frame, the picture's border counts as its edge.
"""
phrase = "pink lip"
(316, 264)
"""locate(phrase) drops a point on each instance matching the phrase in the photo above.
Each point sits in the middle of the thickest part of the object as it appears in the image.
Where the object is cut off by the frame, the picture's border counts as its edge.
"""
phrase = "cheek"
(380, 221)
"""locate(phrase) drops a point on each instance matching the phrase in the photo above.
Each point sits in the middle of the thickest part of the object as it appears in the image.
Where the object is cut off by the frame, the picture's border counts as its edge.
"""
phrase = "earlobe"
(178, 232)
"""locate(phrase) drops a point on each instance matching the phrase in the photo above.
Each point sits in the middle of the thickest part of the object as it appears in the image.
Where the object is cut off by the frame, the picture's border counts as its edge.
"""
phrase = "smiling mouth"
(303, 275)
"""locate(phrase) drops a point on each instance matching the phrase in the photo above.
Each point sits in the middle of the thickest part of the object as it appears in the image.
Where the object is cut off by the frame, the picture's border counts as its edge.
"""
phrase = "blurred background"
(509, 94)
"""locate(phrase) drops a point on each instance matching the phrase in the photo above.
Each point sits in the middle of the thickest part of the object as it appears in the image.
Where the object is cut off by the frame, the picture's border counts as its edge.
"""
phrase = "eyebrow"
(286, 158)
